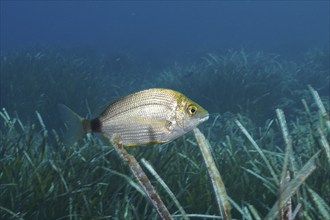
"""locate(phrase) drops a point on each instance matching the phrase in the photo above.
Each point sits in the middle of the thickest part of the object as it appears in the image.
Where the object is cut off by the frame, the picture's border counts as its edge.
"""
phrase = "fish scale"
(139, 99)
(149, 116)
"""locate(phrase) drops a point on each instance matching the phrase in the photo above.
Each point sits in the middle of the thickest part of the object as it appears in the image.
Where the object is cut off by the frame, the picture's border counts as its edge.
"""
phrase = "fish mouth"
(205, 118)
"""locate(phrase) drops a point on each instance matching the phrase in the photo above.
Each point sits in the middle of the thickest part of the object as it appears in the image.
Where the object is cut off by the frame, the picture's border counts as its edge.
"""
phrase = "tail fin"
(76, 126)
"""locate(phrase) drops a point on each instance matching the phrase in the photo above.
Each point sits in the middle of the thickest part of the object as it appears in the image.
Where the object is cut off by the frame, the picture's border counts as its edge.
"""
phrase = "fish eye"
(192, 109)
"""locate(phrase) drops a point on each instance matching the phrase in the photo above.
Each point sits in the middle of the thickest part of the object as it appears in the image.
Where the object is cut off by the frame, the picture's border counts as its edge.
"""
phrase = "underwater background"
(240, 60)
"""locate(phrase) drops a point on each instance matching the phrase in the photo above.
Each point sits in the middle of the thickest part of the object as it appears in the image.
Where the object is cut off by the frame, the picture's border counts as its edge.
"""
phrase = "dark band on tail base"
(96, 125)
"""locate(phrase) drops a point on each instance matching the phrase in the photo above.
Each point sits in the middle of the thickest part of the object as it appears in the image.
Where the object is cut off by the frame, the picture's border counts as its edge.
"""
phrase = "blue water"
(139, 40)
(85, 54)
(165, 32)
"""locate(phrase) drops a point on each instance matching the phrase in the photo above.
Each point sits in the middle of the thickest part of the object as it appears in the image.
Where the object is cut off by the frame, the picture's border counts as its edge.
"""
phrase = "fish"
(150, 116)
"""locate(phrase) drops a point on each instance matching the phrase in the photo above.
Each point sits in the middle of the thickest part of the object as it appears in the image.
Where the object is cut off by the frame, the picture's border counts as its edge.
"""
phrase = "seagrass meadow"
(268, 133)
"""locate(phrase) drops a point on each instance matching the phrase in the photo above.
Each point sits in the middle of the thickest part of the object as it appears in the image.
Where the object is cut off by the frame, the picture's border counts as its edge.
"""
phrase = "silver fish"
(146, 117)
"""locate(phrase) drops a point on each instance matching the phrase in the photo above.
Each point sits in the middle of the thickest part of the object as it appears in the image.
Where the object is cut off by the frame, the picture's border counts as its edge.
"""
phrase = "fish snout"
(205, 118)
